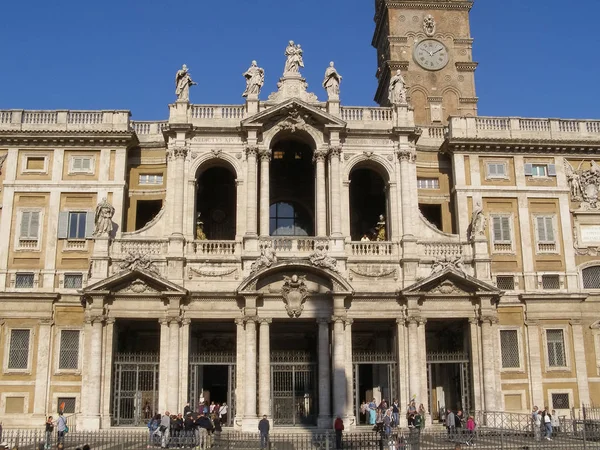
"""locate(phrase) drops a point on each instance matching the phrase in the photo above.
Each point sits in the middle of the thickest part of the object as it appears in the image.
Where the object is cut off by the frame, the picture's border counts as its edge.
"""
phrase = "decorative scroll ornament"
(210, 271)
(584, 185)
(478, 223)
(446, 261)
(266, 259)
(294, 292)
(320, 258)
(136, 261)
(429, 25)
(373, 271)
(103, 219)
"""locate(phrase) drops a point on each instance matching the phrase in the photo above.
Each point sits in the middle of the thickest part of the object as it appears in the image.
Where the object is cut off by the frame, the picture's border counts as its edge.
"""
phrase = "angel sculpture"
(574, 180)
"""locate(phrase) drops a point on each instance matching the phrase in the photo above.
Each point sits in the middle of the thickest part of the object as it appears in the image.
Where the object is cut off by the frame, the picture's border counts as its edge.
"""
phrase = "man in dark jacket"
(338, 426)
(263, 428)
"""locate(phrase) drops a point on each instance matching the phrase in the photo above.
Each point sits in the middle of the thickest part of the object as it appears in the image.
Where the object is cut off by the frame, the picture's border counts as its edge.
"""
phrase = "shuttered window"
(496, 170)
(30, 225)
(82, 164)
(545, 229)
(75, 224)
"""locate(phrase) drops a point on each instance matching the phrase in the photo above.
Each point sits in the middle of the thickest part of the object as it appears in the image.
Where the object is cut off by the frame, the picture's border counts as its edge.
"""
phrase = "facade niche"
(368, 201)
(216, 204)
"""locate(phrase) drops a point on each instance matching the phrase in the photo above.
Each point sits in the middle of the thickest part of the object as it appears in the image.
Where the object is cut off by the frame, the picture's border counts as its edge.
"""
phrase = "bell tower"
(430, 42)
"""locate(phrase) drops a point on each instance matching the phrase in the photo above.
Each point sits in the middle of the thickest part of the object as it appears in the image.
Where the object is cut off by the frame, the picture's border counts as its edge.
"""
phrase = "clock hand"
(438, 50)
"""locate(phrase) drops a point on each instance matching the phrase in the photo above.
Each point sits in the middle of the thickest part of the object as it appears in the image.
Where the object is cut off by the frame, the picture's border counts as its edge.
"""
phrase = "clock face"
(431, 54)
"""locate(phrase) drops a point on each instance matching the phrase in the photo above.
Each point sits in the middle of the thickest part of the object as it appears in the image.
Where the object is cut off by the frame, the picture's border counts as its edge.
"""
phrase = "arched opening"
(215, 204)
(368, 202)
(292, 189)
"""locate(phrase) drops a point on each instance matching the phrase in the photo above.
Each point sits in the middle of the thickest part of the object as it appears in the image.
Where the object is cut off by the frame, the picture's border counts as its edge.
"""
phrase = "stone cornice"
(546, 296)
(430, 4)
(466, 66)
(67, 139)
(521, 146)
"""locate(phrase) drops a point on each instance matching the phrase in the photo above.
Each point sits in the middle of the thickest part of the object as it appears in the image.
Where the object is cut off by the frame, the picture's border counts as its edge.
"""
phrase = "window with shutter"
(29, 229)
(501, 233)
(77, 222)
(539, 170)
(546, 242)
(18, 353)
(81, 164)
(496, 170)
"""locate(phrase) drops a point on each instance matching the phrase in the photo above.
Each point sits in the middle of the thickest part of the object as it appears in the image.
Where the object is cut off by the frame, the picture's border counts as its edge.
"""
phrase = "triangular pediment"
(293, 112)
(136, 281)
(451, 282)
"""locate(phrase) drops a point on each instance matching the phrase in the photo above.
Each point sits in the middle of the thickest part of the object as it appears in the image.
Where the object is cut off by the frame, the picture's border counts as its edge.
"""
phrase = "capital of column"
(574, 322)
(348, 321)
(91, 319)
(264, 320)
(239, 321)
(110, 320)
(338, 319)
(492, 320)
(251, 151)
(248, 319)
(335, 151)
(319, 156)
(264, 155)
(186, 321)
(416, 320)
(406, 155)
(323, 320)
(163, 321)
(474, 320)
(178, 152)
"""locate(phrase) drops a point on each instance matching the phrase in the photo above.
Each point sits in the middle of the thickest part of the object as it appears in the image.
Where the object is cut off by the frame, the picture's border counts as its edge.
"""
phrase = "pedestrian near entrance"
(49, 431)
(450, 422)
(61, 427)
(165, 429)
(263, 428)
(338, 426)
(536, 423)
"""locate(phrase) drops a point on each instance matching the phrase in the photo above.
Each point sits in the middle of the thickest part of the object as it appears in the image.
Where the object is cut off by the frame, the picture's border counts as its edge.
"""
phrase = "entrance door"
(135, 388)
(294, 393)
(375, 376)
(448, 383)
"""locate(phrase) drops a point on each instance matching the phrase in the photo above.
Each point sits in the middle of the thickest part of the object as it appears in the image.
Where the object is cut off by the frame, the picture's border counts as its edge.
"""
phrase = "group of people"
(460, 427)
(190, 428)
(384, 417)
(544, 423)
(61, 429)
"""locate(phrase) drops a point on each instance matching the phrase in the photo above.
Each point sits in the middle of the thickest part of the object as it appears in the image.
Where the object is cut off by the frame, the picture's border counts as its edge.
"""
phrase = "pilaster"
(42, 374)
(109, 330)
(349, 371)
(92, 372)
(240, 362)
(580, 365)
(264, 368)
(339, 367)
(173, 365)
(535, 363)
(250, 421)
(475, 337)
(184, 352)
(251, 155)
(489, 333)
(324, 395)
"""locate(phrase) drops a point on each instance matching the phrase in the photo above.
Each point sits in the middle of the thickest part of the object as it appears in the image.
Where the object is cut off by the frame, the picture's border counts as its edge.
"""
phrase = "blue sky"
(537, 57)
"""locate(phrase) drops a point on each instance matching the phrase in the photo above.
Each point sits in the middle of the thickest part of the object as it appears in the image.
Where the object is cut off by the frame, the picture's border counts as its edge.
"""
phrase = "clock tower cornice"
(430, 4)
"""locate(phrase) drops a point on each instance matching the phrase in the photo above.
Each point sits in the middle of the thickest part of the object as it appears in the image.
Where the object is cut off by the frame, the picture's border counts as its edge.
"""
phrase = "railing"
(213, 247)
(84, 117)
(5, 116)
(438, 249)
(534, 125)
(144, 128)
(64, 120)
(374, 248)
(358, 114)
(436, 132)
(139, 246)
(218, 111)
(293, 244)
(520, 422)
(40, 117)
(492, 123)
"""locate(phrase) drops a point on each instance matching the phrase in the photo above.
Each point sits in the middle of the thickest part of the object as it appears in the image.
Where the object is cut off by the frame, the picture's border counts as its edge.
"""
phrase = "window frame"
(5, 395)
(74, 171)
(66, 274)
(148, 177)
(491, 176)
(560, 391)
(8, 340)
(435, 183)
(33, 280)
(539, 243)
(519, 331)
(79, 213)
(58, 336)
(503, 242)
(566, 348)
(591, 265)
(19, 239)
(26, 155)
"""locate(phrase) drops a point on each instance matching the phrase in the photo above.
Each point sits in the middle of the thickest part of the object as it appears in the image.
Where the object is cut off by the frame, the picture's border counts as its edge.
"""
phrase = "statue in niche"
(200, 229)
(380, 228)
(103, 219)
(183, 81)
(294, 292)
(332, 81)
(294, 60)
(478, 222)
(397, 89)
(255, 78)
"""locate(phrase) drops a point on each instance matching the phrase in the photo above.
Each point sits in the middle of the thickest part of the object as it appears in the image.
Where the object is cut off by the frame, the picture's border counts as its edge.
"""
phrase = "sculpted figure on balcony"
(380, 228)
(255, 78)
(397, 89)
(266, 259)
(332, 81)
(103, 219)
(183, 81)
(200, 229)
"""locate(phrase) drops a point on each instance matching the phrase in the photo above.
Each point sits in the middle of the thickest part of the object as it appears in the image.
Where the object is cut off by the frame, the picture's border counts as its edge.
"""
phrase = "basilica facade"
(293, 256)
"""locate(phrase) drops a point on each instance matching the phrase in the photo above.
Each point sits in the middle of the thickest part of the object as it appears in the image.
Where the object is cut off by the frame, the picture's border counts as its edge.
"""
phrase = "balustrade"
(357, 114)
(213, 247)
(5, 116)
(377, 248)
(140, 246)
(293, 244)
(492, 123)
(84, 117)
(39, 117)
(218, 112)
(439, 249)
(145, 128)
(534, 124)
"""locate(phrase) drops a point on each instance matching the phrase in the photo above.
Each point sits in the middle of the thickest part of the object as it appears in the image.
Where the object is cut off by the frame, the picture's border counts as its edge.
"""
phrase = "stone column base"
(250, 424)
(88, 423)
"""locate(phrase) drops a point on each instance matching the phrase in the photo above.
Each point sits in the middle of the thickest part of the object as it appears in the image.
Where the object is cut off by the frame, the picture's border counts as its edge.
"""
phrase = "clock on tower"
(430, 42)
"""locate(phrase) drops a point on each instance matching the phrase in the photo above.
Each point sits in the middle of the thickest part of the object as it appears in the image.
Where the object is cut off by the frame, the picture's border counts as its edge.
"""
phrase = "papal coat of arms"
(294, 292)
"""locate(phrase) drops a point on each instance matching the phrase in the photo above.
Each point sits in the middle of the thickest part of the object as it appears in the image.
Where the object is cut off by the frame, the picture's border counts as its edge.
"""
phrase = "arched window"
(591, 277)
(289, 219)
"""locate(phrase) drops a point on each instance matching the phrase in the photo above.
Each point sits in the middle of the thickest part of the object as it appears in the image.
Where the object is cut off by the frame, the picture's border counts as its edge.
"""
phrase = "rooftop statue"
(255, 78)
(183, 81)
(332, 81)
(294, 61)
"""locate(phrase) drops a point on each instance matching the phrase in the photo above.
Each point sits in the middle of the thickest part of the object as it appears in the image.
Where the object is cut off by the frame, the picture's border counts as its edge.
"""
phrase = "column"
(535, 363)
(336, 195)
(339, 369)
(251, 153)
(402, 385)
(93, 368)
(476, 363)
(240, 354)
(264, 368)
(109, 330)
(393, 231)
(405, 155)
(184, 352)
(422, 369)
(176, 156)
(42, 367)
(350, 412)
(250, 373)
(324, 420)
(173, 367)
(414, 369)
(321, 206)
(163, 366)
(580, 366)
(265, 158)
(489, 374)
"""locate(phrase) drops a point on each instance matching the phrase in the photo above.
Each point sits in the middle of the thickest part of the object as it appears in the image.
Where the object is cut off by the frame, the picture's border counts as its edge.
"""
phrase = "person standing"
(338, 427)
(49, 431)
(450, 422)
(263, 428)
(165, 429)
(547, 424)
(396, 413)
(555, 423)
(536, 423)
(61, 428)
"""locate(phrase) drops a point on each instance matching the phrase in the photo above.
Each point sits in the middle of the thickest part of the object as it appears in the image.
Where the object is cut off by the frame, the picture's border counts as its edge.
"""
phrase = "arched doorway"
(292, 189)
(216, 204)
(368, 201)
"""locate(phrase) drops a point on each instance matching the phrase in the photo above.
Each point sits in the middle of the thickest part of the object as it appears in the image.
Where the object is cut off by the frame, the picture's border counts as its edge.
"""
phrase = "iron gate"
(197, 364)
(294, 388)
(386, 359)
(464, 382)
(135, 388)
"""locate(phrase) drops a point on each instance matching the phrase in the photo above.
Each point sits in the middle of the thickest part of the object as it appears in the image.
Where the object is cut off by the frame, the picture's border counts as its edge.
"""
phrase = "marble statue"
(183, 81)
(447, 261)
(200, 229)
(266, 259)
(478, 222)
(320, 258)
(332, 81)
(397, 89)
(294, 61)
(380, 228)
(103, 218)
(584, 185)
(255, 78)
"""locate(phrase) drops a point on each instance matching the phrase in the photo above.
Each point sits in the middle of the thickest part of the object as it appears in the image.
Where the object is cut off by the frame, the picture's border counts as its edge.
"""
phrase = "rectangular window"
(496, 170)
(428, 183)
(30, 225)
(556, 348)
(560, 401)
(155, 179)
(591, 277)
(18, 353)
(69, 349)
(550, 282)
(66, 405)
(24, 280)
(82, 164)
(509, 344)
(73, 281)
(540, 170)
(505, 282)
(35, 163)
(545, 229)
(501, 233)
(77, 223)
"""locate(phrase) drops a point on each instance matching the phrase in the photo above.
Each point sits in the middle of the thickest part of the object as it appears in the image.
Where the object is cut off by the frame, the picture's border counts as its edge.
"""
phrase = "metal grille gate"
(460, 358)
(374, 358)
(197, 364)
(135, 388)
(294, 386)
